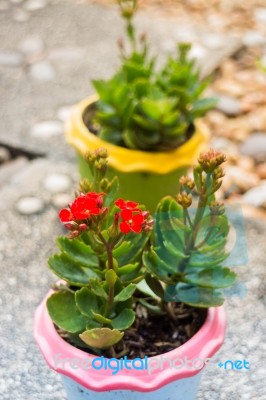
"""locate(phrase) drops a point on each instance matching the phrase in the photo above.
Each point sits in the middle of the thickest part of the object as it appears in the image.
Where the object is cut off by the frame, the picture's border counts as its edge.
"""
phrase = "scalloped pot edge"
(203, 345)
(126, 160)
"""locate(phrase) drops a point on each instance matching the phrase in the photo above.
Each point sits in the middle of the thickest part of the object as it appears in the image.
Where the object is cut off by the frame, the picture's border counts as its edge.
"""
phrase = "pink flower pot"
(174, 375)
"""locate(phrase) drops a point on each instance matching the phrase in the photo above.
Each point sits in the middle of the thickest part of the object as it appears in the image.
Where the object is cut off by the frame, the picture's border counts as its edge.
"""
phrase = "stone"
(261, 170)
(255, 147)
(256, 197)
(253, 38)
(244, 180)
(63, 113)
(42, 71)
(11, 59)
(56, 183)
(47, 129)
(4, 155)
(30, 205)
(246, 163)
(33, 5)
(31, 45)
(61, 200)
(228, 105)
(20, 15)
(260, 14)
(198, 52)
(16, 1)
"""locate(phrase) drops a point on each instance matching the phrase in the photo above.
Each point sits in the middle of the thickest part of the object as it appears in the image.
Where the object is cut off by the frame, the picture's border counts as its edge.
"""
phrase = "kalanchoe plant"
(188, 243)
(143, 107)
(100, 260)
(117, 258)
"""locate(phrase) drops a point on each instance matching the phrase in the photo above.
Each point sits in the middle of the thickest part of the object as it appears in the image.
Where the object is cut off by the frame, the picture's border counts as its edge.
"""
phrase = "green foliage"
(99, 264)
(144, 108)
(187, 249)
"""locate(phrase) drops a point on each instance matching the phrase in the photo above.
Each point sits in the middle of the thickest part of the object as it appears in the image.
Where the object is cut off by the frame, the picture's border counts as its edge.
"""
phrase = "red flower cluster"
(78, 216)
(133, 218)
(82, 208)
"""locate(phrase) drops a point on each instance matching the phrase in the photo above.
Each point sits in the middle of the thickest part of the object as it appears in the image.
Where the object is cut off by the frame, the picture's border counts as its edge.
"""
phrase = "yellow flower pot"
(144, 177)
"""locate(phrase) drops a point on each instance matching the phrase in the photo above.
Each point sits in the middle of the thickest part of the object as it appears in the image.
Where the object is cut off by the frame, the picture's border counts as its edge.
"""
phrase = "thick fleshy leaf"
(126, 293)
(193, 295)
(101, 319)
(101, 338)
(78, 252)
(155, 285)
(67, 269)
(97, 288)
(87, 302)
(128, 269)
(124, 320)
(217, 277)
(64, 312)
(111, 277)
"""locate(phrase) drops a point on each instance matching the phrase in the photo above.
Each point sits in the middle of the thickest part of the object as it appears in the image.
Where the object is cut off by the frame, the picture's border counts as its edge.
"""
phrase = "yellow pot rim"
(127, 160)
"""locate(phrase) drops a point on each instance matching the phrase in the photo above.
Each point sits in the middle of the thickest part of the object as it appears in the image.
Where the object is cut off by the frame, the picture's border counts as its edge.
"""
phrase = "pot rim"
(127, 160)
(204, 344)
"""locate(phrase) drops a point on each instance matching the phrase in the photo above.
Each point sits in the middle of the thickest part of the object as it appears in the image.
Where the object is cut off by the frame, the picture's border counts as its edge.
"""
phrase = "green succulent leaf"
(123, 320)
(125, 293)
(78, 251)
(70, 271)
(101, 319)
(101, 338)
(217, 277)
(87, 302)
(97, 288)
(194, 295)
(110, 277)
(64, 312)
(155, 285)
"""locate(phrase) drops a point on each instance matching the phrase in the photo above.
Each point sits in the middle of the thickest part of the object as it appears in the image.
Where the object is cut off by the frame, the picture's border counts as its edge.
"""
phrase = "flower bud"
(184, 199)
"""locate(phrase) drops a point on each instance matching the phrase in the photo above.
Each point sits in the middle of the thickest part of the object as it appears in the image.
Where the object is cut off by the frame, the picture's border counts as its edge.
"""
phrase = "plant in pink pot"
(137, 310)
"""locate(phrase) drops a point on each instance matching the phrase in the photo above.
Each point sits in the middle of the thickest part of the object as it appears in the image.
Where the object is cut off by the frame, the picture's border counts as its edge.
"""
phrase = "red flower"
(82, 207)
(131, 221)
(130, 205)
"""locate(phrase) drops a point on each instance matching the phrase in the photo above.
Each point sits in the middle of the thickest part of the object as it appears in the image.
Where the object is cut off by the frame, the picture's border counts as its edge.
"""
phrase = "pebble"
(31, 45)
(16, 1)
(261, 170)
(228, 105)
(214, 41)
(67, 55)
(33, 5)
(242, 179)
(63, 113)
(61, 200)
(11, 59)
(260, 15)
(30, 205)
(255, 147)
(197, 52)
(42, 71)
(253, 38)
(57, 183)
(47, 129)
(4, 155)
(256, 196)
(20, 15)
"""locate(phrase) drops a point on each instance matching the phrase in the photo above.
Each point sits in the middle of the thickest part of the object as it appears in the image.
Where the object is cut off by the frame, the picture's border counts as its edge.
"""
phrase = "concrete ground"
(50, 50)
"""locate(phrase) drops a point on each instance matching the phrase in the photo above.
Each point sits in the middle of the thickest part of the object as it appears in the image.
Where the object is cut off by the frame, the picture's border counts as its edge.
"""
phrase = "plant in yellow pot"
(145, 118)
